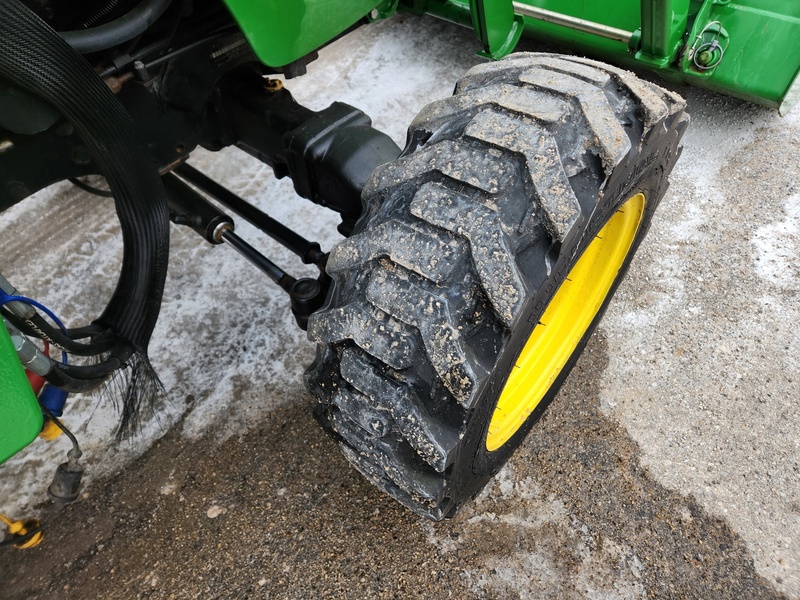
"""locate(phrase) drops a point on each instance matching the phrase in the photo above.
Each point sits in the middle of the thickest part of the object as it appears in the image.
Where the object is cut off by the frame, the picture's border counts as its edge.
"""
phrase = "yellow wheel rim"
(564, 322)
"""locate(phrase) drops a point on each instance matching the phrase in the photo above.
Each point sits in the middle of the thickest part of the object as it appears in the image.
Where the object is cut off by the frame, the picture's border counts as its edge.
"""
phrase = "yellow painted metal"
(23, 528)
(50, 431)
(564, 322)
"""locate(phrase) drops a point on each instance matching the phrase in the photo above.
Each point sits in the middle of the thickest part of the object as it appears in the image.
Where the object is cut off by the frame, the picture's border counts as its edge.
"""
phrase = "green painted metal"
(663, 24)
(761, 57)
(792, 97)
(282, 31)
(743, 48)
(496, 26)
(762, 54)
(20, 415)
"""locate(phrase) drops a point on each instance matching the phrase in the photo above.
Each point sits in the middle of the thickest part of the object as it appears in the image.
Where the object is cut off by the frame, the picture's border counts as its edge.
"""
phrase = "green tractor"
(477, 260)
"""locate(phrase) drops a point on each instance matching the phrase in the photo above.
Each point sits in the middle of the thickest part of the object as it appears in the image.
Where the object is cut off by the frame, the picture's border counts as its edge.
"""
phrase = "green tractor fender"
(282, 32)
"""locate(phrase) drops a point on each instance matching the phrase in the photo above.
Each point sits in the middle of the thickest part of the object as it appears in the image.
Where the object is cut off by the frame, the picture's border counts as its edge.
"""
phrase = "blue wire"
(5, 299)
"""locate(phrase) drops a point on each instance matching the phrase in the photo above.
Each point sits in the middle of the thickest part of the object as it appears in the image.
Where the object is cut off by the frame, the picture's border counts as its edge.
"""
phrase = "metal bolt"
(17, 190)
(65, 129)
(705, 57)
(80, 155)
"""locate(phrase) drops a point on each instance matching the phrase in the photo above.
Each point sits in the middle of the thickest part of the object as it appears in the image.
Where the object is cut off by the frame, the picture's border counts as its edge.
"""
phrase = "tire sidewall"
(643, 171)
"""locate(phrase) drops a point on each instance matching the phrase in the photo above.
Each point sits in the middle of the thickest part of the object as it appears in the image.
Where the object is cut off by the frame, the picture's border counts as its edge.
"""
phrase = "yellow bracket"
(22, 528)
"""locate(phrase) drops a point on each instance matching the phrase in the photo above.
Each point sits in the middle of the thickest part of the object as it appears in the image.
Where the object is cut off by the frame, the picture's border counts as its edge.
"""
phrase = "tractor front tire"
(485, 257)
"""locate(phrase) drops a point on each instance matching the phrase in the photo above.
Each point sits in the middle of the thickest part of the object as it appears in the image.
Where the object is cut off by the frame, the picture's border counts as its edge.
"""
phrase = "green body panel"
(663, 24)
(496, 26)
(763, 56)
(619, 15)
(761, 60)
(20, 415)
(282, 31)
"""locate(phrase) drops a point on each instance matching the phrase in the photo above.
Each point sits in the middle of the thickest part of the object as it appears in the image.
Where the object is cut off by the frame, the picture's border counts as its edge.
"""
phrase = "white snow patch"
(626, 569)
(526, 574)
(777, 248)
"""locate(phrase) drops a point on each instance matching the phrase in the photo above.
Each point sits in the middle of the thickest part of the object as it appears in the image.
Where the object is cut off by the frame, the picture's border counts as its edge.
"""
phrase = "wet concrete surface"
(279, 513)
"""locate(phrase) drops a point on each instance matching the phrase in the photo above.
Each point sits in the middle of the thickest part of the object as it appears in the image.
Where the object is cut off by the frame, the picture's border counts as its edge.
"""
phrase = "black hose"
(90, 188)
(83, 378)
(105, 12)
(36, 58)
(79, 333)
(60, 379)
(39, 328)
(117, 31)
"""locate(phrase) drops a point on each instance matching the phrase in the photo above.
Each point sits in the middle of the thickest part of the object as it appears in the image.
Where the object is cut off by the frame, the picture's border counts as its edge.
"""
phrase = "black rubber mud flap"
(465, 243)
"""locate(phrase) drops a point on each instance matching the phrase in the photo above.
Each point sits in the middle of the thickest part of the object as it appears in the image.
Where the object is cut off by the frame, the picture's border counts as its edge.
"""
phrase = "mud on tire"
(465, 242)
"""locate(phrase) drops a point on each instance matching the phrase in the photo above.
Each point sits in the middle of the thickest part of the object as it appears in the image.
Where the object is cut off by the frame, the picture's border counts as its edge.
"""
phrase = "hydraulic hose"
(119, 31)
(36, 58)
(23, 315)
(36, 326)
(83, 378)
